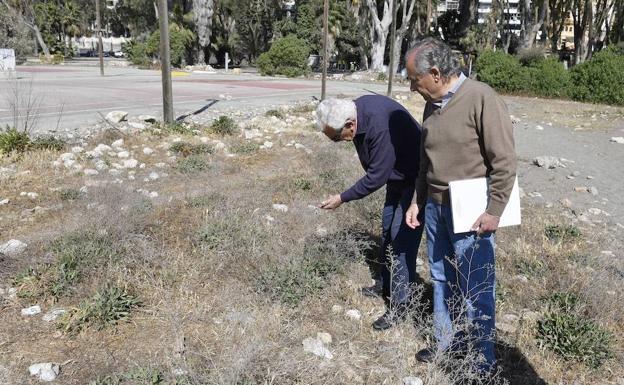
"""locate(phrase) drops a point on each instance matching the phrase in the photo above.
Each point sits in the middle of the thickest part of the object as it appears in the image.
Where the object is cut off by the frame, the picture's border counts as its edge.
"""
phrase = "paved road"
(77, 94)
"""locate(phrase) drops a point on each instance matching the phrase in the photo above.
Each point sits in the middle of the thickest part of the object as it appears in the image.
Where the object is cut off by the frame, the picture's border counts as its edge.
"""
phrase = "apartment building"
(511, 11)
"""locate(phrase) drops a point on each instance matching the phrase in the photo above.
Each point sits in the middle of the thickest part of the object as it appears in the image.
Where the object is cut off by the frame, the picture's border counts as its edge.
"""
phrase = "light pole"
(325, 48)
(98, 28)
(165, 61)
(392, 48)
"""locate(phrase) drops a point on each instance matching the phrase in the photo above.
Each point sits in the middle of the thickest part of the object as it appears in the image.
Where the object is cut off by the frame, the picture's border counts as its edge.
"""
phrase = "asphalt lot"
(75, 96)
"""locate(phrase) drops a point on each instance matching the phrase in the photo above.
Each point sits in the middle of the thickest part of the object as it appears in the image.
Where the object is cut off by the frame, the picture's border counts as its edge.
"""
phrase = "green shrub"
(180, 40)
(177, 128)
(287, 56)
(12, 140)
(69, 194)
(192, 164)
(245, 148)
(502, 72)
(136, 51)
(548, 78)
(531, 56)
(224, 125)
(561, 232)
(211, 200)
(301, 183)
(186, 149)
(47, 143)
(276, 113)
(107, 307)
(600, 79)
(566, 331)
(382, 77)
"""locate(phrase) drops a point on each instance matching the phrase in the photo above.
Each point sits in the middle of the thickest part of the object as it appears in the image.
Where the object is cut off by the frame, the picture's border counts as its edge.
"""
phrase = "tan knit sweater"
(471, 137)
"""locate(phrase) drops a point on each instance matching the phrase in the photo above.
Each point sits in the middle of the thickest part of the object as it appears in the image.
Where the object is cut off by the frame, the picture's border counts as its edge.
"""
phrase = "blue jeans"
(463, 276)
(397, 256)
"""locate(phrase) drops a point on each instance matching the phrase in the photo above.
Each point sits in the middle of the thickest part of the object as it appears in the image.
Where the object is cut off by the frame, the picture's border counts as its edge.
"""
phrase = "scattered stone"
(565, 202)
(102, 148)
(522, 278)
(13, 248)
(617, 139)
(153, 194)
(116, 116)
(594, 211)
(510, 318)
(118, 143)
(530, 315)
(354, 314)
(535, 194)
(315, 346)
(547, 162)
(153, 176)
(506, 328)
(576, 173)
(53, 315)
(280, 207)
(67, 156)
(148, 151)
(77, 150)
(325, 338)
(137, 126)
(593, 191)
(336, 309)
(581, 189)
(412, 381)
(321, 231)
(590, 177)
(90, 172)
(539, 128)
(4, 202)
(269, 218)
(266, 145)
(33, 310)
(47, 371)
(130, 163)
(123, 154)
(219, 146)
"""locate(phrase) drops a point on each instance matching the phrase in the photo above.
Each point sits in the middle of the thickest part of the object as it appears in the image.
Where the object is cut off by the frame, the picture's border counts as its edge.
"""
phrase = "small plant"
(245, 148)
(107, 307)
(302, 184)
(47, 143)
(561, 232)
(69, 194)
(180, 128)
(382, 77)
(533, 268)
(12, 140)
(224, 125)
(192, 164)
(567, 332)
(186, 149)
(277, 113)
(206, 201)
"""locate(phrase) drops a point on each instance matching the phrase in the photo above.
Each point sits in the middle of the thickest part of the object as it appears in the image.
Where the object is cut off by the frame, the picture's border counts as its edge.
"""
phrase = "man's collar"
(460, 80)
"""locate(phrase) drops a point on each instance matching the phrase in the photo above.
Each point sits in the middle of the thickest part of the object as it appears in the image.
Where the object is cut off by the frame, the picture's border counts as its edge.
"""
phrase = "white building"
(511, 11)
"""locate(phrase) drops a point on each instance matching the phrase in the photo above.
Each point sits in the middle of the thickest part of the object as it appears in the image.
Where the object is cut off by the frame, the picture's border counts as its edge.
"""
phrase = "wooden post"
(392, 48)
(325, 48)
(98, 28)
(165, 61)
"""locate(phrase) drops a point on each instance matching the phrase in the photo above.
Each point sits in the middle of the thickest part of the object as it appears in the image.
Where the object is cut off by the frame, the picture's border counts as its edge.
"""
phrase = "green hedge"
(601, 79)
(287, 56)
(598, 80)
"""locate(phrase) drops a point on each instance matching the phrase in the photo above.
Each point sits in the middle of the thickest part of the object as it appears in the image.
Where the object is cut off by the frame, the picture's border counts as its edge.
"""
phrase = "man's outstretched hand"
(332, 202)
(411, 216)
(486, 223)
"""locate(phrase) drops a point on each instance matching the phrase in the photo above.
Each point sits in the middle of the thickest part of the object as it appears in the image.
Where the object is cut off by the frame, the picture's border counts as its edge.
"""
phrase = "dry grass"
(195, 257)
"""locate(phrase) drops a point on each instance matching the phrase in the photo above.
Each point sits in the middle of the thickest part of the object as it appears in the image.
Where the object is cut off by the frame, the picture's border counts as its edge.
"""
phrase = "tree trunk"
(407, 10)
(532, 27)
(467, 15)
(380, 29)
(202, 15)
(42, 44)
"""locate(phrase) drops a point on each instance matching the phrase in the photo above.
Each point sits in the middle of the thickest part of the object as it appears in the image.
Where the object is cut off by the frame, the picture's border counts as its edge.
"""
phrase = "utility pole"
(325, 48)
(392, 48)
(98, 28)
(165, 61)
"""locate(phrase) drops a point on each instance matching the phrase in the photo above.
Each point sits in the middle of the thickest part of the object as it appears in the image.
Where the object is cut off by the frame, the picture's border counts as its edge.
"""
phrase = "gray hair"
(335, 113)
(430, 52)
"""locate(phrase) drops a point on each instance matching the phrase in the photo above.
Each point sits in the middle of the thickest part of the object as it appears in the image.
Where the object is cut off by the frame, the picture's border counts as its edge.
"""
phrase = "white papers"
(469, 200)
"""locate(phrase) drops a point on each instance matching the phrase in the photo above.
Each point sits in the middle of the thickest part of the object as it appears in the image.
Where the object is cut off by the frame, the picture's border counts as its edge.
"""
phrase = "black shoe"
(391, 317)
(426, 355)
(374, 291)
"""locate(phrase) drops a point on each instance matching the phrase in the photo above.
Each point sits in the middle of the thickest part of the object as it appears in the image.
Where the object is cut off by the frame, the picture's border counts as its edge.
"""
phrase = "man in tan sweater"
(467, 133)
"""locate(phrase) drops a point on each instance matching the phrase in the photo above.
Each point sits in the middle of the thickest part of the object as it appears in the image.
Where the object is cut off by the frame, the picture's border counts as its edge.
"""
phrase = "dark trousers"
(397, 256)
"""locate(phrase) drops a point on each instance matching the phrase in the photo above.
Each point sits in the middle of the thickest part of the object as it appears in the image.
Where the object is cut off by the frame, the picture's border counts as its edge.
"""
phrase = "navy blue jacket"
(387, 141)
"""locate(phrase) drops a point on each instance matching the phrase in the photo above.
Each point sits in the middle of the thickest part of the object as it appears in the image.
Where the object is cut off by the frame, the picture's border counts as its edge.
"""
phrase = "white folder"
(469, 199)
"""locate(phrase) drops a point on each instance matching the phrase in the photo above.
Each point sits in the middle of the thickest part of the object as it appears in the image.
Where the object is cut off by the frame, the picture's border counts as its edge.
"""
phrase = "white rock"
(539, 128)
(123, 154)
(116, 116)
(314, 346)
(13, 248)
(325, 338)
(267, 144)
(153, 176)
(153, 194)
(130, 163)
(4, 202)
(67, 156)
(617, 139)
(354, 314)
(103, 148)
(161, 165)
(321, 231)
(219, 146)
(90, 172)
(593, 190)
(101, 165)
(118, 143)
(77, 150)
(53, 315)
(33, 310)
(336, 309)
(412, 381)
(138, 126)
(148, 151)
(47, 371)
(269, 218)
(547, 162)
(299, 146)
(204, 139)
(280, 207)
(594, 211)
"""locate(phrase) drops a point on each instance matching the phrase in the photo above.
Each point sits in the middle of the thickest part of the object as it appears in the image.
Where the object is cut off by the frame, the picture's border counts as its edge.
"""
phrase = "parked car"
(119, 54)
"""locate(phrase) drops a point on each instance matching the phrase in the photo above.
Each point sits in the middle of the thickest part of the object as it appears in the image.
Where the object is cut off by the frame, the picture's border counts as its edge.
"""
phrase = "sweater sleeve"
(420, 190)
(382, 159)
(498, 148)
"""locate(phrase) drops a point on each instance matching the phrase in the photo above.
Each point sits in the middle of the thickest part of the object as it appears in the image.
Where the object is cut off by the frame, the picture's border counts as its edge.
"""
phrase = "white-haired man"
(387, 140)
